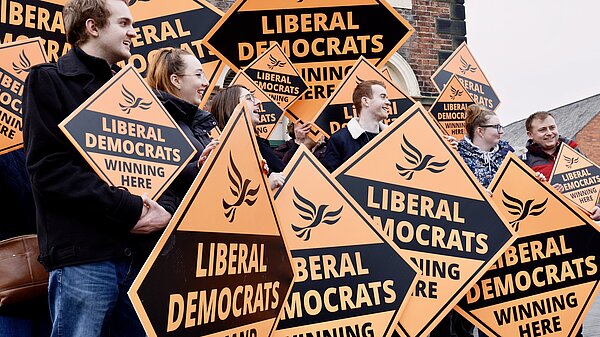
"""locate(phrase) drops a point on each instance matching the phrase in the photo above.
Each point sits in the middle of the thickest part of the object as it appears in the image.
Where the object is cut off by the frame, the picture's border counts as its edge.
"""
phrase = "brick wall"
(589, 139)
(439, 29)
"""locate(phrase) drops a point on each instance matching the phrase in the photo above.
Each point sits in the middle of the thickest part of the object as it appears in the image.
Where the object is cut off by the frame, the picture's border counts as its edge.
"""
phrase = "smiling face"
(251, 102)
(543, 131)
(192, 82)
(113, 41)
(378, 105)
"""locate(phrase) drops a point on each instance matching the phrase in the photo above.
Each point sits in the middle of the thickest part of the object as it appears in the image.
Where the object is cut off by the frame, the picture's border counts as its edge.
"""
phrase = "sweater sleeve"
(332, 159)
(57, 172)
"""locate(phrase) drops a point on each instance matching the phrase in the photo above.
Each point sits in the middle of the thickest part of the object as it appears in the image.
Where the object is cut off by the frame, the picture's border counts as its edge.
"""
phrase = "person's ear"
(175, 81)
(91, 28)
(529, 135)
(365, 100)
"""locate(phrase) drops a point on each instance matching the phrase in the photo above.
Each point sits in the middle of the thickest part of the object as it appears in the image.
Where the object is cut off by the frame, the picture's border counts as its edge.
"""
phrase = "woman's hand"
(206, 152)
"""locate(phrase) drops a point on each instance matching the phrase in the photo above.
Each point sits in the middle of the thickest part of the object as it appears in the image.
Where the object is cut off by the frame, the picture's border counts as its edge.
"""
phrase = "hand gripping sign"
(422, 195)
(275, 74)
(579, 176)
(221, 267)
(547, 280)
(339, 108)
(269, 114)
(16, 60)
(322, 38)
(350, 279)
(462, 64)
(128, 137)
(449, 108)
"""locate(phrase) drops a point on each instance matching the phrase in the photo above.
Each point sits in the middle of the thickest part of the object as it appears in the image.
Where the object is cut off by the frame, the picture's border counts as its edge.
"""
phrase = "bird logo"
(420, 163)
(522, 210)
(24, 64)
(570, 161)
(239, 189)
(132, 102)
(273, 62)
(466, 66)
(309, 212)
(455, 92)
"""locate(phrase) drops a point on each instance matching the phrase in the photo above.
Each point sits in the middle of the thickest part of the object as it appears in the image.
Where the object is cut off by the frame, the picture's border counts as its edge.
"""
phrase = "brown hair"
(224, 102)
(476, 115)
(541, 115)
(364, 89)
(166, 62)
(77, 12)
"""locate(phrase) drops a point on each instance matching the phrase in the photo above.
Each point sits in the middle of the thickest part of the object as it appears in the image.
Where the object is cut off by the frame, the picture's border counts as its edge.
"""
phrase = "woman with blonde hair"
(179, 82)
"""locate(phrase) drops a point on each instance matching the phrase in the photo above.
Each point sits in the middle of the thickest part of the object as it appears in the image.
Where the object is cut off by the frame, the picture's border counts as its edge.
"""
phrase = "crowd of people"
(93, 238)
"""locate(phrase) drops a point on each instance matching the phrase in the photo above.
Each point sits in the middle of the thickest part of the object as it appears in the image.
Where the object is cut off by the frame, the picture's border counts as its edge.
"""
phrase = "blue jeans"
(11, 326)
(91, 300)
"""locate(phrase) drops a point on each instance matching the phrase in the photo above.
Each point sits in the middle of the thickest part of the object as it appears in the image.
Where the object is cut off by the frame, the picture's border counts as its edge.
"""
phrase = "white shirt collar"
(356, 130)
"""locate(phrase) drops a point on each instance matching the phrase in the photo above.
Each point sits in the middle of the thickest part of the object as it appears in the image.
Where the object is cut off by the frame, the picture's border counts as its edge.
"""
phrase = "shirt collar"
(356, 130)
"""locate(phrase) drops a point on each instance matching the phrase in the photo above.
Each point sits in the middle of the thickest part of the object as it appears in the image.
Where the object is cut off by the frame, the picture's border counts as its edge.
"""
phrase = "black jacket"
(185, 114)
(80, 218)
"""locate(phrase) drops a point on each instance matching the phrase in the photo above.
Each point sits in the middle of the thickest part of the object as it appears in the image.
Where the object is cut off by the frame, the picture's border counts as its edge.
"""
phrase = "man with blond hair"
(89, 232)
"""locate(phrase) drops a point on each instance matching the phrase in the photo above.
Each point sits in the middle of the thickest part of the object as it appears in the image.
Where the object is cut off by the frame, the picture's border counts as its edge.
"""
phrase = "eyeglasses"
(200, 76)
(249, 97)
(498, 127)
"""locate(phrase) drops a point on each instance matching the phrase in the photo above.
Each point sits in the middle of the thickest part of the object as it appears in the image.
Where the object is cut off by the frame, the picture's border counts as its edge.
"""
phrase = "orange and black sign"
(449, 108)
(228, 269)
(322, 38)
(182, 24)
(339, 110)
(422, 195)
(159, 23)
(275, 74)
(128, 137)
(269, 114)
(547, 280)
(579, 176)
(16, 60)
(22, 19)
(462, 64)
(349, 276)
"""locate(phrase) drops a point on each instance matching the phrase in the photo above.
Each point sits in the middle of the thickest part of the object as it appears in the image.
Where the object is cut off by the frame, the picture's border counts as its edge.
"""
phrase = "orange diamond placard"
(348, 273)
(128, 137)
(322, 38)
(269, 113)
(16, 60)
(24, 19)
(422, 195)
(180, 24)
(579, 176)
(275, 74)
(221, 267)
(462, 64)
(547, 280)
(449, 108)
